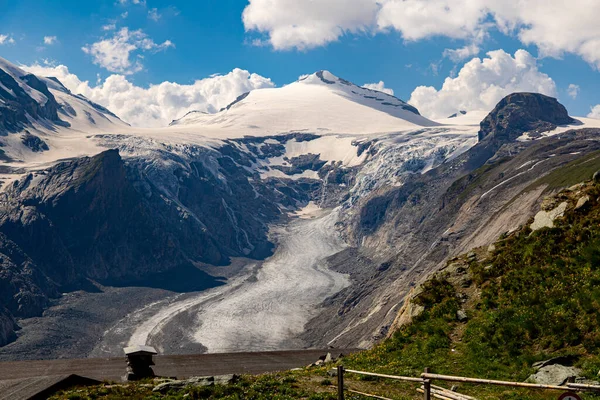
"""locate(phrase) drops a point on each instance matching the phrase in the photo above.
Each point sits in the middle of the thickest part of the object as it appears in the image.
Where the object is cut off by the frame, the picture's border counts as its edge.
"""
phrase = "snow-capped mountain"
(26, 99)
(86, 197)
(317, 103)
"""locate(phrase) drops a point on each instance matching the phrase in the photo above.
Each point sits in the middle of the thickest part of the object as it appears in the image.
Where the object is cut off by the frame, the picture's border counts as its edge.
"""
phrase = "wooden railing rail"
(397, 377)
(583, 386)
(451, 378)
(431, 391)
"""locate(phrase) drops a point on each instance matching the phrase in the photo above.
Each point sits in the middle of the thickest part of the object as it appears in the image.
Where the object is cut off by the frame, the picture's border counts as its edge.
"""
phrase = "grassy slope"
(537, 295)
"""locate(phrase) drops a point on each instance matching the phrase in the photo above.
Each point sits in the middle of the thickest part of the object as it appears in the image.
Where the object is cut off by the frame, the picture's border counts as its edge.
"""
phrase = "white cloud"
(109, 27)
(573, 91)
(552, 25)
(306, 24)
(595, 112)
(463, 53)
(380, 87)
(420, 19)
(153, 14)
(6, 39)
(481, 83)
(115, 53)
(159, 104)
(50, 40)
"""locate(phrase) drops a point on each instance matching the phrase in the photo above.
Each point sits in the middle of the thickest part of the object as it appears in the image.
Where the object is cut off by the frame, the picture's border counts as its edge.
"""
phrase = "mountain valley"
(300, 216)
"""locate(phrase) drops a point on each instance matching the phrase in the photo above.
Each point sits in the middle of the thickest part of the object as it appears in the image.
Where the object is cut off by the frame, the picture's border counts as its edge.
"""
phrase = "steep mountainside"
(402, 234)
(524, 307)
(23, 96)
(89, 203)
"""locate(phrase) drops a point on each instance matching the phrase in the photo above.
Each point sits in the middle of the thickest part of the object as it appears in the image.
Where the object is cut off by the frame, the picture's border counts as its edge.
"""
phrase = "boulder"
(545, 219)
(554, 374)
(582, 202)
(461, 315)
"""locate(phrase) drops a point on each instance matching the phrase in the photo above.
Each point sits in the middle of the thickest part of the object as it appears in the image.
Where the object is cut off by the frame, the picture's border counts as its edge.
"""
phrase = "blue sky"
(209, 37)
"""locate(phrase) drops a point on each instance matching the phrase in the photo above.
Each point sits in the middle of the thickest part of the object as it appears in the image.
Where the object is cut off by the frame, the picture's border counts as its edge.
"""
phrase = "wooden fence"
(431, 391)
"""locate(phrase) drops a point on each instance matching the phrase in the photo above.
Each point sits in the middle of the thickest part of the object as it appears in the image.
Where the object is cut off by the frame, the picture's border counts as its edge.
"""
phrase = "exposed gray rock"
(518, 113)
(582, 202)
(462, 316)
(545, 219)
(462, 112)
(200, 381)
(36, 144)
(299, 164)
(554, 374)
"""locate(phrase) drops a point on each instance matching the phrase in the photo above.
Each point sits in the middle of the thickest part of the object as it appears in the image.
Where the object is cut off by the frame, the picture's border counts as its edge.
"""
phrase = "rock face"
(34, 143)
(518, 113)
(23, 95)
(7, 327)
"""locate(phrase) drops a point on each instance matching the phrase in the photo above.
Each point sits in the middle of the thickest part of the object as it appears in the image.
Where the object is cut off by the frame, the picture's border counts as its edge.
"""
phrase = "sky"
(151, 61)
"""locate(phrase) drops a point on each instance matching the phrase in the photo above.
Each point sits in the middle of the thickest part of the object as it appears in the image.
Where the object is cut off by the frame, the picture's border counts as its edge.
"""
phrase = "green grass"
(577, 171)
(540, 298)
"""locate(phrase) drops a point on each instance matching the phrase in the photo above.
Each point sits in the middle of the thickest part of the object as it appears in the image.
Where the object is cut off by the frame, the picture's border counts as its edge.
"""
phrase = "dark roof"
(41, 387)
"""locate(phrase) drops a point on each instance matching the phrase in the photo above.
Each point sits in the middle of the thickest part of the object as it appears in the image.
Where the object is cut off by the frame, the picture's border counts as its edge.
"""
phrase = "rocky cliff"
(24, 96)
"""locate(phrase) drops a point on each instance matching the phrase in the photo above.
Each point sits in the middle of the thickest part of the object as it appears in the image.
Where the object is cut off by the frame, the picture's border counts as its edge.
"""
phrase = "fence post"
(426, 387)
(340, 376)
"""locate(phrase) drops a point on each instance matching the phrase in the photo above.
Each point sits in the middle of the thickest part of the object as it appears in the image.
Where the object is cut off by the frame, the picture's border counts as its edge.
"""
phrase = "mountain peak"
(322, 77)
(518, 113)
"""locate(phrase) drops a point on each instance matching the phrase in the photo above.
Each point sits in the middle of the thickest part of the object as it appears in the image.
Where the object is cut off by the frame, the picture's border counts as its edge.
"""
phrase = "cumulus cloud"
(380, 87)
(595, 112)
(159, 104)
(481, 83)
(115, 53)
(573, 91)
(306, 24)
(50, 40)
(111, 26)
(6, 39)
(548, 24)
